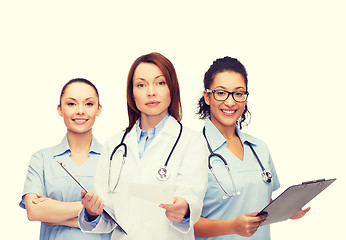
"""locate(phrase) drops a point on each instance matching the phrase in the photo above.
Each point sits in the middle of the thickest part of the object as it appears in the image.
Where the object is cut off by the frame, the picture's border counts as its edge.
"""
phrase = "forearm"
(211, 228)
(73, 222)
(50, 210)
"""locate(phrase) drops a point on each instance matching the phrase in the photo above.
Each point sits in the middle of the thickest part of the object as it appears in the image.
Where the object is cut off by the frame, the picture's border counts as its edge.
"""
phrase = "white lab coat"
(144, 219)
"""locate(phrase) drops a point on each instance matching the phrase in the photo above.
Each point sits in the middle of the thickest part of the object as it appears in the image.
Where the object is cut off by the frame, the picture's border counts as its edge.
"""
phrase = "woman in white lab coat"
(160, 154)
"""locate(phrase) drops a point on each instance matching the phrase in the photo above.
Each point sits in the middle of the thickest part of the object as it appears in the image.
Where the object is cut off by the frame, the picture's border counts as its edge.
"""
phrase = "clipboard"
(293, 199)
(105, 209)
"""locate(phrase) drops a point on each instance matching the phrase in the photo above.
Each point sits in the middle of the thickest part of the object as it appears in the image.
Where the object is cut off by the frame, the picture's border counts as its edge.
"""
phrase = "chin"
(80, 131)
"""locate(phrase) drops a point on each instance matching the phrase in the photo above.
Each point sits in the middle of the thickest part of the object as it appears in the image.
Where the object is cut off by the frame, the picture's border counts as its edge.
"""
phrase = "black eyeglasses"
(222, 95)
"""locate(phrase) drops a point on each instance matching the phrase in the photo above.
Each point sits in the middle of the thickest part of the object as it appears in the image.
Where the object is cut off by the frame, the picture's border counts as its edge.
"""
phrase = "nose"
(151, 90)
(229, 101)
(80, 109)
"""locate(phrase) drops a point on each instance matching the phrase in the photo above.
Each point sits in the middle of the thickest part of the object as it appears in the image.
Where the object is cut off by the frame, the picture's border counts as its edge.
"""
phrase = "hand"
(177, 210)
(92, 203)
(40, 198)
(247, 223)
(300, 213)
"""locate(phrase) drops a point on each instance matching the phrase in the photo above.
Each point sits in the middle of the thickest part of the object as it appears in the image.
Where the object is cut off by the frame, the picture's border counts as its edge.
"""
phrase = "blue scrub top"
(45, 176)
(255, 194)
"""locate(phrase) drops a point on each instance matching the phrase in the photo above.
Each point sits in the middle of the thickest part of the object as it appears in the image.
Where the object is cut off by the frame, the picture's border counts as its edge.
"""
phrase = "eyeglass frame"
(246, 93)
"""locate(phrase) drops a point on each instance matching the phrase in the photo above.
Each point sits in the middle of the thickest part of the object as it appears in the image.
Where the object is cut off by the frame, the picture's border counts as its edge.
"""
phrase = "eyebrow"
(143, 79)
(88, 98)
(237, 88)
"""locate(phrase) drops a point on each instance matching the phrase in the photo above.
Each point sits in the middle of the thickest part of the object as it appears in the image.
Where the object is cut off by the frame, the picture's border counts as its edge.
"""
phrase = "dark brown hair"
(79, 80)
(221, 65)
(170, 75)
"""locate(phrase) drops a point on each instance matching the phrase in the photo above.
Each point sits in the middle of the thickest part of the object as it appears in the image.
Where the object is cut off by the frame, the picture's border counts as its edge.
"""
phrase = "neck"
(79, 141)
(227, 131)
(148, 122)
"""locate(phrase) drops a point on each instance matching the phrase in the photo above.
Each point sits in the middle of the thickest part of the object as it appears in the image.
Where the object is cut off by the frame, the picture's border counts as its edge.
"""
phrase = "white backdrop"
(293, 51)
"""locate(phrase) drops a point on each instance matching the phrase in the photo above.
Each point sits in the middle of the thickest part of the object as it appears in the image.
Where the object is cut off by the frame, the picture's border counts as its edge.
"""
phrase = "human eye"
(161, 83)
(140, 85)
(220, 93)
(239, 93)
(71, 104)
(89, 104)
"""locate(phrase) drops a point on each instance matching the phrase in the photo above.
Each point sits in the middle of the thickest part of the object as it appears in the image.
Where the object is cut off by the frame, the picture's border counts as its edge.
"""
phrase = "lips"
(228, 112)
(152, 103)
(80, 121)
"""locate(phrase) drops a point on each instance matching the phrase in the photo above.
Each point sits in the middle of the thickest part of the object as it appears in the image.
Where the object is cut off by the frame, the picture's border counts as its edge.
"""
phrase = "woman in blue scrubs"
(234, 196)
(50, 195)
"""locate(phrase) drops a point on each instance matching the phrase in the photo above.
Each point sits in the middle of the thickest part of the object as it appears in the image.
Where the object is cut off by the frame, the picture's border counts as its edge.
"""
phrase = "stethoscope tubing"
(123, 144)
(266, 176)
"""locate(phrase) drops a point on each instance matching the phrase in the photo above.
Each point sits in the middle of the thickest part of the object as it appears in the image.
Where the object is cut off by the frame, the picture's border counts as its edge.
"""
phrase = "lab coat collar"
(171, 128)
(154, 131)
(217, 140)
(64, 147)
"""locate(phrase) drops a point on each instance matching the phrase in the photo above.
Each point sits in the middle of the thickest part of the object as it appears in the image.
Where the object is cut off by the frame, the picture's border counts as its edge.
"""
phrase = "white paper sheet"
(160, 193)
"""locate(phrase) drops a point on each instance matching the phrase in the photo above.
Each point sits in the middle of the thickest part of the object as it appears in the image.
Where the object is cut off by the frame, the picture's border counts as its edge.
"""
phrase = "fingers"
(306, 210)
(40, 198)
(301, 213)
(177, 210)
(260, 219)
(253, 214)
(173, 212)
(256, 219)
(92, 203)
(248, 223)
(82, 194)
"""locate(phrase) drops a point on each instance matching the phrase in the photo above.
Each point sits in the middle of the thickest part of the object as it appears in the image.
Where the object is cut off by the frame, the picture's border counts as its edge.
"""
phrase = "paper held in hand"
(160, 193)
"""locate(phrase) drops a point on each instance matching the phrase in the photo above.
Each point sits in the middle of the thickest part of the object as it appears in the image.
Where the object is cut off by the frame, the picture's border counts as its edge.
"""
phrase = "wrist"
(187, 214)
(232, 226)
(91, 217)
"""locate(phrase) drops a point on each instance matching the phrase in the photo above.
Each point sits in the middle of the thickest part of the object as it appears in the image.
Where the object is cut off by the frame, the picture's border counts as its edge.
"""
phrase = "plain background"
(293, 50)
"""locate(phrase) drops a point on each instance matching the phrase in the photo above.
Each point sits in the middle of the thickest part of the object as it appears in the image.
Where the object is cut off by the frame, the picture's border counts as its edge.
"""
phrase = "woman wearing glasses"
(155, 150)
(242, 175)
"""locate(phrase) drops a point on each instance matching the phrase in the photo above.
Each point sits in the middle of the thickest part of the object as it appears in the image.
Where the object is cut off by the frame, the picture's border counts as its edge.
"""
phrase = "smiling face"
(79, 107)
(224, 114)
(150, 92)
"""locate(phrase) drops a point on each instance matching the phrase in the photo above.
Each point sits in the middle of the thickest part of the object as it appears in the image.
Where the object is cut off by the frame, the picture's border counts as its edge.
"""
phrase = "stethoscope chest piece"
(162, 174)
(267, 177)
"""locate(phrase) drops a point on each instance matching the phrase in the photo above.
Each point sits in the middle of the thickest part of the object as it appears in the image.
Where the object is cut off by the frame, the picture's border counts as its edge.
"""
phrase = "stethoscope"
(162, 173)
(266, 176)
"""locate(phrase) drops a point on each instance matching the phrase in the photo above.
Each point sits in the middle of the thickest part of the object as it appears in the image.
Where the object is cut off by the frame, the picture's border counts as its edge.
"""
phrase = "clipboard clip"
(314, 181)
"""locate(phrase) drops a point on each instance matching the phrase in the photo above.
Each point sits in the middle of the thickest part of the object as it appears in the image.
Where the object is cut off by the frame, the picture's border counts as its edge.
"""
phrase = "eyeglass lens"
(238, 96)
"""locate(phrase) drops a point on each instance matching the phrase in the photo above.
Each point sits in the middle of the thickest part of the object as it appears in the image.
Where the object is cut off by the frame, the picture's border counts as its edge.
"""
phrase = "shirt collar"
(217, 140)
(64, 147)
(153, 131)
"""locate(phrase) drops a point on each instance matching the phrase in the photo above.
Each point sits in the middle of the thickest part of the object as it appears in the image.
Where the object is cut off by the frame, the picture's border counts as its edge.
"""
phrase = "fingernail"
(161, 205)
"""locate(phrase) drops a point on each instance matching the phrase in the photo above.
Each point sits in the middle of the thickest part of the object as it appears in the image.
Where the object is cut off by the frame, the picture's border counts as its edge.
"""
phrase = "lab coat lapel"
(170, 128)
(132, 143)
(121, 200)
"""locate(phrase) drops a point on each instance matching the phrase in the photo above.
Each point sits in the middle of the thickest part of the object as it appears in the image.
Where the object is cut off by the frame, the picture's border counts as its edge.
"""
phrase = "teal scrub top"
(45, 176)
(255, 194)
